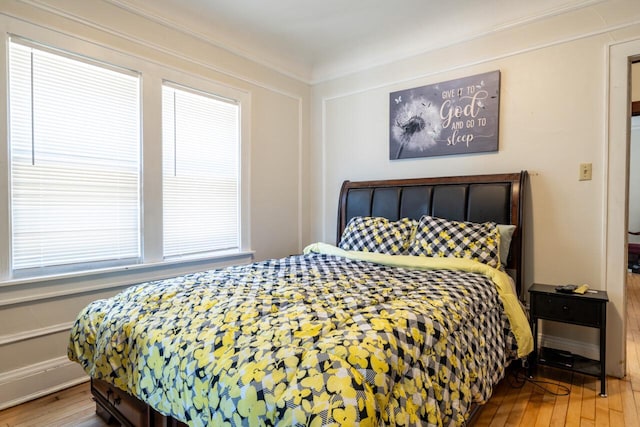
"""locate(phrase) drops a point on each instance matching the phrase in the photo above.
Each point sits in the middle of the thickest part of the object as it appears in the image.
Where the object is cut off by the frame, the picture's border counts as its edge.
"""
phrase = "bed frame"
(477, 198)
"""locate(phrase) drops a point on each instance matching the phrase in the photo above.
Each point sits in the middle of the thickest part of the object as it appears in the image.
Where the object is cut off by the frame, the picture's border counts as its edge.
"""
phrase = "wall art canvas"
(454, 117)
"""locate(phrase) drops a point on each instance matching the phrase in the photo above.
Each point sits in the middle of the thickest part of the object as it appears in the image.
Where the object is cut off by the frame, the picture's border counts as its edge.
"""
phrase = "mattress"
(325, 338)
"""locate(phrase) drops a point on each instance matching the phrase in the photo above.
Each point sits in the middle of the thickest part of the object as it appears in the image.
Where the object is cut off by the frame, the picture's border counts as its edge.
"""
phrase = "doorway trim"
(617, 202)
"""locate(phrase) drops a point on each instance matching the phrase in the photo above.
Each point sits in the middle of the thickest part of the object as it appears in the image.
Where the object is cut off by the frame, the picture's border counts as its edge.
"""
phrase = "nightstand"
(589, 309)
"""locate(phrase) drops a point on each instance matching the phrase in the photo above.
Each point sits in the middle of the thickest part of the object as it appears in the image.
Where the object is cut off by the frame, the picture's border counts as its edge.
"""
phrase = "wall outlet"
(585, 172)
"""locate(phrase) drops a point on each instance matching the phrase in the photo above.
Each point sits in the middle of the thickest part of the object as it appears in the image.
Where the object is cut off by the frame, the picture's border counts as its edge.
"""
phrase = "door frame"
(620, 55)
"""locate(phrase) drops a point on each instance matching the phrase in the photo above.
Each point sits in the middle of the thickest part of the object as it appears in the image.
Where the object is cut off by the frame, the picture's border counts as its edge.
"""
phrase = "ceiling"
(316, 40)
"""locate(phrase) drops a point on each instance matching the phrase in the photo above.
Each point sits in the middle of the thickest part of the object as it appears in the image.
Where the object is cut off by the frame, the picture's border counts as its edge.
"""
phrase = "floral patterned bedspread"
(306, 340)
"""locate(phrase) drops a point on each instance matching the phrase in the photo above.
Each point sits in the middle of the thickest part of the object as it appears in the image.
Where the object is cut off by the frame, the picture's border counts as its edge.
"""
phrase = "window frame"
(35, 271)
(229, 101)
(152, 75)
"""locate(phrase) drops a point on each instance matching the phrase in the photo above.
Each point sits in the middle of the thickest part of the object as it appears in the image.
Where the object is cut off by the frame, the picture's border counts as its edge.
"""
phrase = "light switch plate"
(585, 172)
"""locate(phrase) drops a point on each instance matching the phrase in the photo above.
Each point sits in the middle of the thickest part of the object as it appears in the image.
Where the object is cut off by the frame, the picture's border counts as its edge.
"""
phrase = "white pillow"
(506, 232)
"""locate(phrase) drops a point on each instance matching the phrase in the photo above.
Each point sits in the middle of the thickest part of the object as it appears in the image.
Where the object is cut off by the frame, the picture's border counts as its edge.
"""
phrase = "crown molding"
(303, 72)
(301, 76)
(486, 60)
(310, 75)
(326, 76)
(61, 12)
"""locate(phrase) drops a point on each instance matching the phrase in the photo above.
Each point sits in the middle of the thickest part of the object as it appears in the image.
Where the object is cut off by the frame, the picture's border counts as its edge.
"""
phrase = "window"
(200, 136)
(75, 161)
(112, 170)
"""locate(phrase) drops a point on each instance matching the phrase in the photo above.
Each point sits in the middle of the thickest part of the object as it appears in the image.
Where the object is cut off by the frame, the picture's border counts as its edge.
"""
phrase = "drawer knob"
(565, 308)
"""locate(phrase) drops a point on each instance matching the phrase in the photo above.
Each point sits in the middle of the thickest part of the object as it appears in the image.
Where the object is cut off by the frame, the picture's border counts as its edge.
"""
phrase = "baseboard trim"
(37, 380)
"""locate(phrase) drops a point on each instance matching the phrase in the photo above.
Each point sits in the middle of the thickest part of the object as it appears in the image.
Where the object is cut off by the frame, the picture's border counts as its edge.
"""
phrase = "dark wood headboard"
(477, 198)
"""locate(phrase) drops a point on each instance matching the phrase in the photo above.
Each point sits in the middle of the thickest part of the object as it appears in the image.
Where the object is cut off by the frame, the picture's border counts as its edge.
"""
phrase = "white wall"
(553, 116)
(35, 316)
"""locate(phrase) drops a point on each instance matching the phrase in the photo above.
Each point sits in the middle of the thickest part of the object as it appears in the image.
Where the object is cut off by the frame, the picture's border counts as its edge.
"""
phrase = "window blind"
(75, 160)
(200, 172)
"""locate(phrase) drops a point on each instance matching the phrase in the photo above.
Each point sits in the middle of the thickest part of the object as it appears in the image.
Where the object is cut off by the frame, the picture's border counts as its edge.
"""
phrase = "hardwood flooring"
(70, 407)
(528, 405)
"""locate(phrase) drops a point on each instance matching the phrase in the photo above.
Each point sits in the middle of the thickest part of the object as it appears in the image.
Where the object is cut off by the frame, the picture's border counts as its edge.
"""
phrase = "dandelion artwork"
(454, 117)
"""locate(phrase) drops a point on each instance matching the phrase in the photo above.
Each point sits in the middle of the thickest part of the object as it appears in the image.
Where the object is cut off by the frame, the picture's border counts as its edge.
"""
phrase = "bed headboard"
(477, 198)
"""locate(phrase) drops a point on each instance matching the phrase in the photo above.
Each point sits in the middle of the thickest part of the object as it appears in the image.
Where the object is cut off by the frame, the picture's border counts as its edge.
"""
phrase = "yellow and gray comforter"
(327, 338)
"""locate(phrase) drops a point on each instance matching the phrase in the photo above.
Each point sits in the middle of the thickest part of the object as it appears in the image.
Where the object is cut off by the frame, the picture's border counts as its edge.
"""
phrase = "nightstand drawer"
(567, 309)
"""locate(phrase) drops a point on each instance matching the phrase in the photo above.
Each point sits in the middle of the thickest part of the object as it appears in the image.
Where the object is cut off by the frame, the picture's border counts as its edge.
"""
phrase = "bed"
(411, 319)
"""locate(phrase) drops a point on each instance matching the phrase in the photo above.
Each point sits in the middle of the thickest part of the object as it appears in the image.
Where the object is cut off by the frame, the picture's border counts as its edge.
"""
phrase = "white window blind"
(200, 135)
(75, 160)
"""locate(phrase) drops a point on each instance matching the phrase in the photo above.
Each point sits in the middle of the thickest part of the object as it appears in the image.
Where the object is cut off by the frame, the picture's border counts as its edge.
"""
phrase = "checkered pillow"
(376, 234)
(437, 237)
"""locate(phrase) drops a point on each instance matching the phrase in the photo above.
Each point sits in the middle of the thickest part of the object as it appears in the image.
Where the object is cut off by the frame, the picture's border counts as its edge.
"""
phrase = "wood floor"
(510, 405)
(70, 407)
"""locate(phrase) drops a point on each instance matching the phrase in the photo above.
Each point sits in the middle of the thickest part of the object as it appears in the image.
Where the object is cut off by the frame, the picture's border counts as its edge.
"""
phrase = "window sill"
(18, 291)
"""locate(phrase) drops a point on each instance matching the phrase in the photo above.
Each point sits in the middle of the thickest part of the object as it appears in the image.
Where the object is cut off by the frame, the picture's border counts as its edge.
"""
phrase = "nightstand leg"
(603, 353)
(603, 385)
(532, 358)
